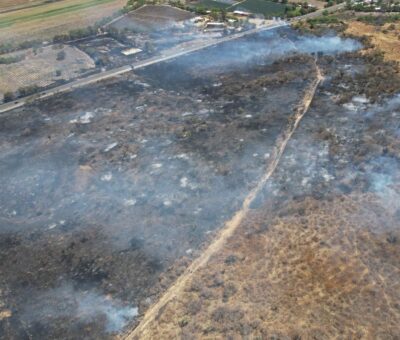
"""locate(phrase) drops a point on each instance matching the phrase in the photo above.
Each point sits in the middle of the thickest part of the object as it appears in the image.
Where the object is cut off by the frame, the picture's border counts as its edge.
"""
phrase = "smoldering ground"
(107, 196)
(344, 150)
(65, 301)
(239, 55)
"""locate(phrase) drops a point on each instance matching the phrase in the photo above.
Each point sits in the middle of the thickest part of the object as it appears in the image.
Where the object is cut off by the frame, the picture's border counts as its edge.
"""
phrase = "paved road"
(166, 55)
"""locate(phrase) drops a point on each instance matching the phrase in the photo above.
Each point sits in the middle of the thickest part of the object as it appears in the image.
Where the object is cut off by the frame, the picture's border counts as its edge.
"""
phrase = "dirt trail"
(230, 226)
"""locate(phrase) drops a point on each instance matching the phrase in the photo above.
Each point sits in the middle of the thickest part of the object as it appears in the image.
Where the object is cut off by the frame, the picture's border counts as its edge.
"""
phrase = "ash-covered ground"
(107, 187)
(317, 255)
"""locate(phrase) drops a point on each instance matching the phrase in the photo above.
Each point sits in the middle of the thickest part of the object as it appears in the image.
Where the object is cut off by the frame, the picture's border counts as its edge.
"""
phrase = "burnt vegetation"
(111, 202)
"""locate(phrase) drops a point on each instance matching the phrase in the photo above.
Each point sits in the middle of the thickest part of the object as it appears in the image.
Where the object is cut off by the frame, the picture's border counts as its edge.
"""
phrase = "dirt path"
(230, 226)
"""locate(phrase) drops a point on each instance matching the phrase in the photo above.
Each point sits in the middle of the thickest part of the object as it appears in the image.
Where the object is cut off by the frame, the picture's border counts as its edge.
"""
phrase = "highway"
(165, 56)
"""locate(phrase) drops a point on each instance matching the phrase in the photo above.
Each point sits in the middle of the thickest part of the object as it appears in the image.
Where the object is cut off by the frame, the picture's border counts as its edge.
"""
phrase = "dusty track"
(230, 226)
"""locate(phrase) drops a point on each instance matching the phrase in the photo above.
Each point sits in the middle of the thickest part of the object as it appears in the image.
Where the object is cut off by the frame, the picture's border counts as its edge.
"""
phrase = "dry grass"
(47, 20)
(40, 68)
(320, 270)
(385, 39)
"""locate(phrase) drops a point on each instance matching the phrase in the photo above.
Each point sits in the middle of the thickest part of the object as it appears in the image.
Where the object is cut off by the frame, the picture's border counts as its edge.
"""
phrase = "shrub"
(28, 90)
(11, 59)
(8, 97)
(183, 321)
(61, 55)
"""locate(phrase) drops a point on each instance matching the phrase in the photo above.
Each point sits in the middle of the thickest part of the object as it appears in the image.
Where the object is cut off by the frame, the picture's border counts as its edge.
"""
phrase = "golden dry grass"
(383, 38)
(47, 20)
(39, 68)
(323, 270)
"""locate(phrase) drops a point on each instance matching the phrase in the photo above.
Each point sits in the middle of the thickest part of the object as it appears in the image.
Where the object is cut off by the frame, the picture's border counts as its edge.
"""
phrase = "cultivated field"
(13, 5)
(42, 68)
(47, 20)
(212, 4)
(152, 17)
(266, 8)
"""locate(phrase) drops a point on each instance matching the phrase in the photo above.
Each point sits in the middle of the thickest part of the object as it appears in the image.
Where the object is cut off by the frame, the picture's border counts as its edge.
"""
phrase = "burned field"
(317, 255)
(110, 191)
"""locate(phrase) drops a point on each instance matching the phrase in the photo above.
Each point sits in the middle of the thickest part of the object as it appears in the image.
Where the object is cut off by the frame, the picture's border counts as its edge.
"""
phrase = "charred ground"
(104, 188)
(316, 255)
(108, 192)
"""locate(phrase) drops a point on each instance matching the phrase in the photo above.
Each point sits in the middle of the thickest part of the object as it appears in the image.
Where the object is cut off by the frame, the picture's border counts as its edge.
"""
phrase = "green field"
(264, 7)
(39, 20)
(211, 4)
(7, 22)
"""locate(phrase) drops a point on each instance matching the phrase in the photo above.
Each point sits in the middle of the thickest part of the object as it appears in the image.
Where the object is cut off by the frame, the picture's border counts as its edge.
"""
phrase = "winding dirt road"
(230, 226)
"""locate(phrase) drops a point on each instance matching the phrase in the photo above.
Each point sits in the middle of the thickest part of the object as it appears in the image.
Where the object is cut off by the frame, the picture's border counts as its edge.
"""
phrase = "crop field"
(13, 5)
(267, 8)
(212, 4)
(152, 17)
(41, 68)
(46, 20)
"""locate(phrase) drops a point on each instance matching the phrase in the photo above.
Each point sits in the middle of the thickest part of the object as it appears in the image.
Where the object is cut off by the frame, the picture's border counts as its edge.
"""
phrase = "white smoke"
(86, 306)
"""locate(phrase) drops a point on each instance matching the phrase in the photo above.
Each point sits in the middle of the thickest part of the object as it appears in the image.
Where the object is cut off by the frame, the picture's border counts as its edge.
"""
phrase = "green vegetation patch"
(6, 22)
(267, 8)
(379, 19)
(324, 20)
(210, 4)
(11, 59)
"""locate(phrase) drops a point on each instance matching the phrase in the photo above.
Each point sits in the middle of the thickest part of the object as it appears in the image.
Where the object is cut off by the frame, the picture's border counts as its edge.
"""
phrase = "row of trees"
(11, 47)
(379, 20)
(135, 4)
(22, 92)
(296, 9)
(11, 59)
